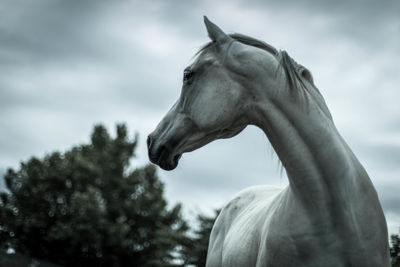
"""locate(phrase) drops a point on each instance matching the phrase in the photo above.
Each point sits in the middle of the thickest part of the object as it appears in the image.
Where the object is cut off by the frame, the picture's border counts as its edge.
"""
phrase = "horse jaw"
(165, 150)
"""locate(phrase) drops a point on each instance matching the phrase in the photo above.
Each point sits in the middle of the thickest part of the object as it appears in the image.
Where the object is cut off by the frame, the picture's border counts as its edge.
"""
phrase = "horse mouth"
(166, 160)
(169, 163)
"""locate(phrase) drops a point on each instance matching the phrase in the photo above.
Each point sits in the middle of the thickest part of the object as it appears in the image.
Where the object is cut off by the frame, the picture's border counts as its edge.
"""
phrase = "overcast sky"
(67, 65)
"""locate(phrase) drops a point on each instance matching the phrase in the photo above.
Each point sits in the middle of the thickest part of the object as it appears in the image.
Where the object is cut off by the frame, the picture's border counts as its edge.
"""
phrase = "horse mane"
(295, 73)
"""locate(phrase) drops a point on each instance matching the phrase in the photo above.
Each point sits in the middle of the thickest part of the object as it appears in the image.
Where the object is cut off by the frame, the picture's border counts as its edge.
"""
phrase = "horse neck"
(319, 164)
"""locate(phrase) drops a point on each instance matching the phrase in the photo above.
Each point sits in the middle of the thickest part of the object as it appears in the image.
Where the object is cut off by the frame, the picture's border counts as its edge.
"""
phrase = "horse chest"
(242, 242)
(246, 221)
(255, 240)
(257, 234)
(262, 227)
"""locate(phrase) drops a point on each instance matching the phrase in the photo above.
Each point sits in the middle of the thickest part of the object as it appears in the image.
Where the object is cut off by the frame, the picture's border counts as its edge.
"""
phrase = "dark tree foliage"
(395, 250)
(196, 251)
(85, 207)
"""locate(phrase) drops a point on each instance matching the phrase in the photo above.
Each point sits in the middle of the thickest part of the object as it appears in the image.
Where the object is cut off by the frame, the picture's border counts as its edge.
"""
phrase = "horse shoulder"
(238, 212)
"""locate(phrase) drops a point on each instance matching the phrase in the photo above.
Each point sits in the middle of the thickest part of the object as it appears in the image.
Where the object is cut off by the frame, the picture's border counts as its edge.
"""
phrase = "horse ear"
(215, 33)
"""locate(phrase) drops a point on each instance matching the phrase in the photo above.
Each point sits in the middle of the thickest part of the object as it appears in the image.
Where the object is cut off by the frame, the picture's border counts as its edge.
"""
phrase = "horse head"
(220, 95)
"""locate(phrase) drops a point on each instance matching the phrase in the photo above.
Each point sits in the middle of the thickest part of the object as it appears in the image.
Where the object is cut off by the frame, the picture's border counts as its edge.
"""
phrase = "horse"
(329, 215)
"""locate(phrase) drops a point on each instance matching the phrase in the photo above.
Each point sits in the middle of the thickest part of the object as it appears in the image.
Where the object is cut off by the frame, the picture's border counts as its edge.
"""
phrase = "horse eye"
(187, 75)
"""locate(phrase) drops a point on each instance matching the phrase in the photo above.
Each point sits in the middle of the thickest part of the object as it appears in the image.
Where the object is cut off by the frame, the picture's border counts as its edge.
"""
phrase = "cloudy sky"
(67, 65)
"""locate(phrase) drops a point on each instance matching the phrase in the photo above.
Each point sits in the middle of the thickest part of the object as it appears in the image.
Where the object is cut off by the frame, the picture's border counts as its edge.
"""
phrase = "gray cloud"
(390, 198)
(46, 31)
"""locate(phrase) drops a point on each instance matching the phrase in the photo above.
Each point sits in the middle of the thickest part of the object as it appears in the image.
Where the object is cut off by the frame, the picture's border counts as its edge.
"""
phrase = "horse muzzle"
(161, 154)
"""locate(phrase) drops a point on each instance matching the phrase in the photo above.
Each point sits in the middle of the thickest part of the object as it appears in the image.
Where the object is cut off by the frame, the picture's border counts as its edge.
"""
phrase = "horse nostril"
(149, 142)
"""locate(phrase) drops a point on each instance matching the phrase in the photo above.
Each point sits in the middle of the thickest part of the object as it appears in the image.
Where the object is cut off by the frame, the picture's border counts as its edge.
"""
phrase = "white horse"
(329, 215)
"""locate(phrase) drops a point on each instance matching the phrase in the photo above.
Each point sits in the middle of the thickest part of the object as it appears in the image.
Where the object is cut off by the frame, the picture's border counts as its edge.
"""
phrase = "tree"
(85, 207)
(395, 250)
(196, 251)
